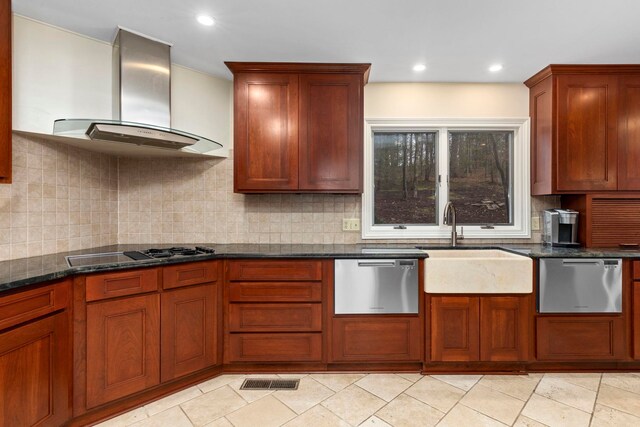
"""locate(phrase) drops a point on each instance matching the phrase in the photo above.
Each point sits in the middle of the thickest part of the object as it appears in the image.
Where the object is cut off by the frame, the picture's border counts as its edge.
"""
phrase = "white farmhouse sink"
(477, 271)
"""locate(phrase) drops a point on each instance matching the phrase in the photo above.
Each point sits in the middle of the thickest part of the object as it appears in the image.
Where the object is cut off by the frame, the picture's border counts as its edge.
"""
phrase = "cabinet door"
(504, 328)
(629, 134)
(5, 92)
(454, 329)
(541, 110)
(636, 313)
(189, 333)
(331, 132)
(368, 339)
(123, 347)
(587, 121)
(35, 374)
(265, 132)
(580, 338)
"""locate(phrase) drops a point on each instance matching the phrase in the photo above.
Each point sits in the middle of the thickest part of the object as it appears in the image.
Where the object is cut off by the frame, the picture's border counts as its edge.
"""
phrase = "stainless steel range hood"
(141, 102)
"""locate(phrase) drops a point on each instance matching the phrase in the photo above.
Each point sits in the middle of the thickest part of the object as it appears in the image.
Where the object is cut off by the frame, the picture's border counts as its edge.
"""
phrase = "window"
(413, 168)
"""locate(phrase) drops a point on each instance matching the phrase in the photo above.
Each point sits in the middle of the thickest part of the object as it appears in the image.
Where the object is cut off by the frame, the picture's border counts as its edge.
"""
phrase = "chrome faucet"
(450, 219)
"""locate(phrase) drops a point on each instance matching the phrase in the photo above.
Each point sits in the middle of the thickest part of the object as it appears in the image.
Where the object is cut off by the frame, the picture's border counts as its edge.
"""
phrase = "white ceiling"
(457, 39)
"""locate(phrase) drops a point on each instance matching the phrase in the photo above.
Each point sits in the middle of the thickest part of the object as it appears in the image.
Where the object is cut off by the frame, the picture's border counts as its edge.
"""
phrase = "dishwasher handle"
(381, 263)
(580, 262)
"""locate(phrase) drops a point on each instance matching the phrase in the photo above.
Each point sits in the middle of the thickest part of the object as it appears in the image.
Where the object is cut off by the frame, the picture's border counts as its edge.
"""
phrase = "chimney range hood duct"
(141, 102)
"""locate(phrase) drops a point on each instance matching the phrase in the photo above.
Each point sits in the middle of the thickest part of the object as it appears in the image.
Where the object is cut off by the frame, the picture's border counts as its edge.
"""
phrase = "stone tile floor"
(381, 400)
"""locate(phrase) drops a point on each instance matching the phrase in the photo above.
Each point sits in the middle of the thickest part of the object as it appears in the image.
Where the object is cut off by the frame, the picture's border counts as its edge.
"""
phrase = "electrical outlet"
(535, 223)
(351, 224)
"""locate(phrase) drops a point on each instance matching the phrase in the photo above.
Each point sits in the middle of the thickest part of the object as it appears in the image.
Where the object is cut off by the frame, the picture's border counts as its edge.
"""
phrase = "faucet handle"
(461, 236)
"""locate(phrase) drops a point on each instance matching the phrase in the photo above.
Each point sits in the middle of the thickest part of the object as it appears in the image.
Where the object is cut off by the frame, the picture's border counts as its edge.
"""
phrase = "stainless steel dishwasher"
(580, 285)
(383, 286)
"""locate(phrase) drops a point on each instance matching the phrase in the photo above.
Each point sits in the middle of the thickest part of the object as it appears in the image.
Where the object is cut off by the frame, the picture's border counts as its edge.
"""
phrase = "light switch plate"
(351, 224)
(535, 223)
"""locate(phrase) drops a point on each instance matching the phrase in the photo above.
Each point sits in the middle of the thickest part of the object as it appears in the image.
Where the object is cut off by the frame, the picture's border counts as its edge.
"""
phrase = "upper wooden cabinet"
(584, 128)
(298, 127)
(5, 92)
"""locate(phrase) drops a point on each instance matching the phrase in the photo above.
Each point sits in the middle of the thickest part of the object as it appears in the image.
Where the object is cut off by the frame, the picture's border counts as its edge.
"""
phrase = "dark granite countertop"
(27, 271)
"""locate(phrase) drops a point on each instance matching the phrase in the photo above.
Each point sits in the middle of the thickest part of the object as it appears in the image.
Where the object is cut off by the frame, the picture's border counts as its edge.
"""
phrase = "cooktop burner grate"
(169, 252)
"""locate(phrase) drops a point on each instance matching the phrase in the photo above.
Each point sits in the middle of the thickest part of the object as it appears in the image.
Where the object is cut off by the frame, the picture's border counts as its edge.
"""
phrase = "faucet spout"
(450, 219)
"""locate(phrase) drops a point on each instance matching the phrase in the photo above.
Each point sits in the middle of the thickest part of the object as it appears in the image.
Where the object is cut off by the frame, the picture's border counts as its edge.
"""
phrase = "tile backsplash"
(192, 200)
(65, 198)
(61, 199)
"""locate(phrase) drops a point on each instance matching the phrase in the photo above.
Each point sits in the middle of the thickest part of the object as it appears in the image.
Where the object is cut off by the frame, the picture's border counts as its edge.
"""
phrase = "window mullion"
(443, 170)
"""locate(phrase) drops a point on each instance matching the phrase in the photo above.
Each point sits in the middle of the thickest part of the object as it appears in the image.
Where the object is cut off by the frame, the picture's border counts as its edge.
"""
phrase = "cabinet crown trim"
(555, 69)
(301, 67)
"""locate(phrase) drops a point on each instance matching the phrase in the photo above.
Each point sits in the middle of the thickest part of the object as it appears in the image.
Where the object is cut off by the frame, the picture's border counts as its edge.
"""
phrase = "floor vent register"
(268, 384)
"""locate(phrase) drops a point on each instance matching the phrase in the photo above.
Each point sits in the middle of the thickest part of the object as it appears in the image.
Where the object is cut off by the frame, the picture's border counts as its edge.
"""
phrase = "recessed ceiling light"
(206, 20)
(419, 67)
(495, 68)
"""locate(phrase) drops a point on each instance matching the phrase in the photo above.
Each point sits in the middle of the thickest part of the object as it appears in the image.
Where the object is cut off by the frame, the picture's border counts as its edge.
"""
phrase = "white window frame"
(521, 227)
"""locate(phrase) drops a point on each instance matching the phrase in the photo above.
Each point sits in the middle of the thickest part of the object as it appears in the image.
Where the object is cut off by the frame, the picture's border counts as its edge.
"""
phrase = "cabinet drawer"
(194, 273)
(584, 338)
(276, 292)
(278, 270)
(275, 347)
(275, 317)
(24, 306)
(384, 339)
(103, 286)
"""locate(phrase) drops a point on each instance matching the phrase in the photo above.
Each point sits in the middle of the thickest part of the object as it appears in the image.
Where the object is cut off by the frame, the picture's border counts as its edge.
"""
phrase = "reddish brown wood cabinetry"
(376, 339)
(606, 219)
(580, 338)
(145, 327)
(5, 92)
(123, 347)
(486, 328)
(455, 328)
(629, 133)
(583, 129)
(274, 311)
(35, 357)
(330, 133)
(504, 328)
(298, 127)
(189, 340)
(266, 132)
(635, 291)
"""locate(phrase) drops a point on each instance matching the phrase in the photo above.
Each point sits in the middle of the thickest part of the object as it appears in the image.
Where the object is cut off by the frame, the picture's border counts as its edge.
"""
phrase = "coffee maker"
(560, 227)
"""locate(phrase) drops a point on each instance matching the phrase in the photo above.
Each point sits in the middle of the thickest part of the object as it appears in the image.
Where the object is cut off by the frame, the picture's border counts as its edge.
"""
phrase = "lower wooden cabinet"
(35, 373)
(504, 328)
(455, 329)
(580, 338)
(636, 311)
(376, 339)
(123, 347)
(485, 328)
(274, 311)
(189, 331)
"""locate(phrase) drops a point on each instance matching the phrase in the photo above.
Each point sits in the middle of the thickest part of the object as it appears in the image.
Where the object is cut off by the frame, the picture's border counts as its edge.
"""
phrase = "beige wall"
(61, 74)
(445, 100)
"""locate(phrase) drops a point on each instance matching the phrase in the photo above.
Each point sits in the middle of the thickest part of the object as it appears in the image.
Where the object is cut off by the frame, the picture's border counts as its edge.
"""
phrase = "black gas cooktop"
(175, 251)
(141, 255)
